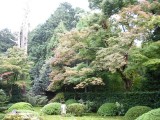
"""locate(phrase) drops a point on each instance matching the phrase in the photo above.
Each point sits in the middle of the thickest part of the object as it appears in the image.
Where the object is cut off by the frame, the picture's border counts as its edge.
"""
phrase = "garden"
(101, 65)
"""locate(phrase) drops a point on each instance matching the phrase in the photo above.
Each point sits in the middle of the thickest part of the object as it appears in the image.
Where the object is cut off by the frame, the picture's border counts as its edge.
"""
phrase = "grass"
(58, 117)
(85, 117)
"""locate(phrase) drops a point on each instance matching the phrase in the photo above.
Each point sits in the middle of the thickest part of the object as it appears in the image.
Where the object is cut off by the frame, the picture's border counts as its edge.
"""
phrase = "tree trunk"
(10, 92)
(127, 82)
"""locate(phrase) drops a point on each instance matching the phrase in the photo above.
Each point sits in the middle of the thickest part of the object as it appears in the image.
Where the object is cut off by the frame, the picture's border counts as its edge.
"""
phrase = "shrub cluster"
(128, 99)
(58, 98)
(76, 109)
(70, 101)
(38, 100)
(107, 109)
(135, 112)
(151, 115)
(52, 109)
(21, 106)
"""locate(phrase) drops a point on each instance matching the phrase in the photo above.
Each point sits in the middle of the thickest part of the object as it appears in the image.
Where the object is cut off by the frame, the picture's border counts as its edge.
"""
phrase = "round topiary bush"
(70, 101)
(107, 109)
(21, 106)
(76, 109)
(52, 109)
(2, 116)
(135, 112)
(151, 115)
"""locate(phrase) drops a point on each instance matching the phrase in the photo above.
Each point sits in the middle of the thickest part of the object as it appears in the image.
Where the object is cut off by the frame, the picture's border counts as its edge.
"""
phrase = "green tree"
(110, 7)
(7, 40)
(15, 60)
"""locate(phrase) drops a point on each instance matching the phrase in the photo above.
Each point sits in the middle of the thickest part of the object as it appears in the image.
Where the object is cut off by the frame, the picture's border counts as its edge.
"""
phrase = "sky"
(12, 11)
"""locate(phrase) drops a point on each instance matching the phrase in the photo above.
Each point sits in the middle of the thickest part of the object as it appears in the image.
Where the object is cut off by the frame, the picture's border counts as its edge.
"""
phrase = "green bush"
(135, 112)
(70, 101)
(52, 109)
(21, 106)
(1, 116)
(76, 109)
(107, 109)
(58, 98)
(38, 100)
(128, 99)
(151, 115)
(91, 106)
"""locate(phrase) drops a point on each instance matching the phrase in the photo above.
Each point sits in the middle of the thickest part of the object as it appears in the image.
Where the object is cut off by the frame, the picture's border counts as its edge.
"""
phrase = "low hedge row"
(128, 99)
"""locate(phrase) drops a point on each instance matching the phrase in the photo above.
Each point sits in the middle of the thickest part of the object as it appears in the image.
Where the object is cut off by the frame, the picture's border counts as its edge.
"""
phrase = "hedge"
(128, 99)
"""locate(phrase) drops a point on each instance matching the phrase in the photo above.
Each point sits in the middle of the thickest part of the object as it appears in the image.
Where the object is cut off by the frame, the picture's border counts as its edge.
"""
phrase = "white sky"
(12, 11)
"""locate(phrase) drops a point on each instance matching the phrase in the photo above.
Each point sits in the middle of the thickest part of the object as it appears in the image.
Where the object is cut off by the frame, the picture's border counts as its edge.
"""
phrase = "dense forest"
(112, 53)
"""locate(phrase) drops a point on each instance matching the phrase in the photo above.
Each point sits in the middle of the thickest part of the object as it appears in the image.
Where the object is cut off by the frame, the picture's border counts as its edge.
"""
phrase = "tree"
(115, 56)
(41, 83)
(16, 61)
(14, 67)
(44, 38)
(110, 7)
(7, 40)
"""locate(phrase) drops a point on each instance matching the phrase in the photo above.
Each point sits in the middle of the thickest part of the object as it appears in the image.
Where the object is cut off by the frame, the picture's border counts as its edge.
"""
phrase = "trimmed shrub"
(151, 115)
(52, 109)
(91, 106)
(135, 112)
(20, 106)
(76, 109)
(58, 98)
(128, 99)
(2, 116)
(23, 115)
(107, 109)
(70, 101)
(38, 100)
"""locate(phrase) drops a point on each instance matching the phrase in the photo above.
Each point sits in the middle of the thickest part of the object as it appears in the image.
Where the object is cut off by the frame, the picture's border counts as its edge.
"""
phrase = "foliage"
(2, 116)
(128, 100)
(3, 97)
(15, 60)
(120, 108)
(135, 112)
(110, 7)
(91, 106)
(115, 56)
(14, 90)
(58, 97)
(37, 100)
(7, 40)
(107, 109)
(76, 109)
(40, 84)
(70, 101)
(151, 115)
(71, 60)
(52, 109)
(44, 38)
(20, 106)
